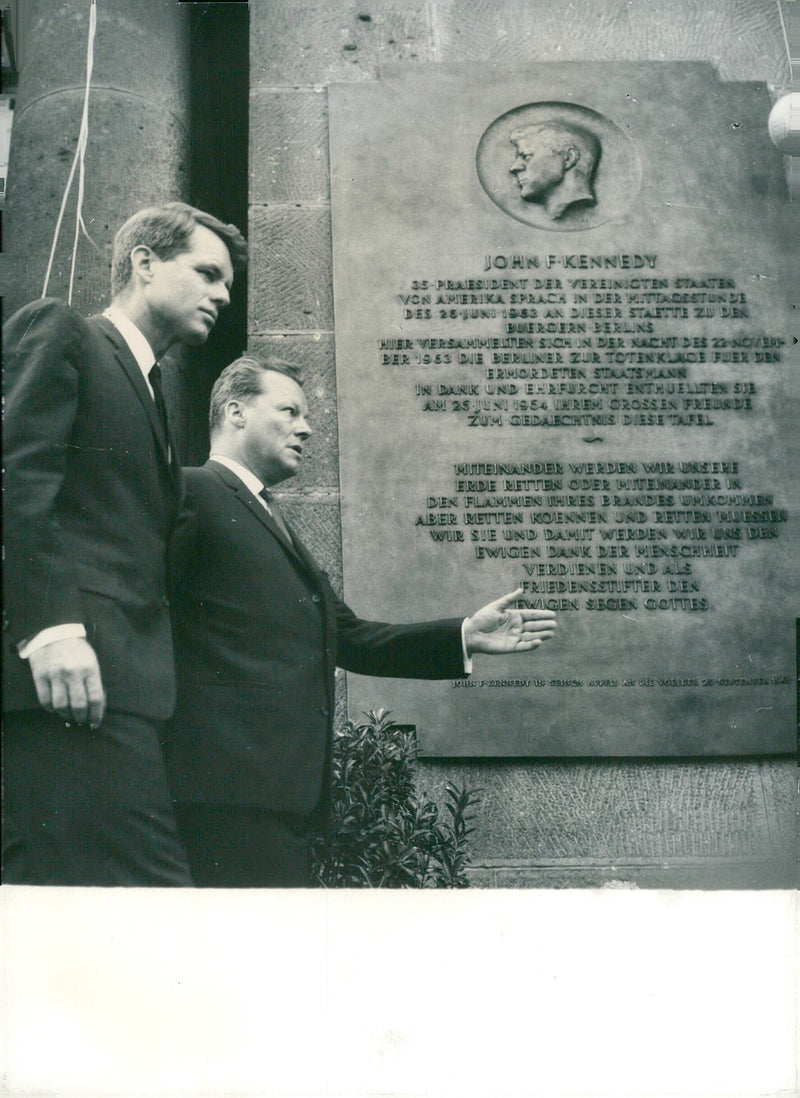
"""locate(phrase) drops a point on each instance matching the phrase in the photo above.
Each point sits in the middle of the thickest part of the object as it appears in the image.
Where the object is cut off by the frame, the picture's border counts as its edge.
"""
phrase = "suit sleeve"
(422, 650)
(182, 546)
(42, 348)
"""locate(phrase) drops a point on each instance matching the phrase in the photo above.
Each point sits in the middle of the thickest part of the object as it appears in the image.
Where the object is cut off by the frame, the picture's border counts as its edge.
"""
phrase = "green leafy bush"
(383, 833)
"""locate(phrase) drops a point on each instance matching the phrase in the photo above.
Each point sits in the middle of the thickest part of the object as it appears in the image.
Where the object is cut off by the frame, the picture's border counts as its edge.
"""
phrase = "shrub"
(383, 833)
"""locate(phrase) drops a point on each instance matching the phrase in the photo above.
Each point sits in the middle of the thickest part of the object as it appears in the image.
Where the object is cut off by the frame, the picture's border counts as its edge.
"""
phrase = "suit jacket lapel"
(134, 374)
(257, 509)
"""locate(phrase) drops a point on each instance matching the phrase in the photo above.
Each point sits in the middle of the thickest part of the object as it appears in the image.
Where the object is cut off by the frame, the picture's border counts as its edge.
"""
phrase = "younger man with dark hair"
(91, 492)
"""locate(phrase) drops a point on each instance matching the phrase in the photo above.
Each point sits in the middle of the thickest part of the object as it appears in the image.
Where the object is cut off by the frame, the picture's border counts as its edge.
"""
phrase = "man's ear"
(571, 157)
(236, 413)
(142, 262)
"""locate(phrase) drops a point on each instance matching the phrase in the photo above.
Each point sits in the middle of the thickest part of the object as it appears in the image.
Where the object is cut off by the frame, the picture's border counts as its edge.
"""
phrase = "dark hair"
(241, 380)
(166, 229)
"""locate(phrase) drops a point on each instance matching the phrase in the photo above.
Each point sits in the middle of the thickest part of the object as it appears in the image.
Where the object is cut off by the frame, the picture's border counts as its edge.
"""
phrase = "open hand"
(501, 628)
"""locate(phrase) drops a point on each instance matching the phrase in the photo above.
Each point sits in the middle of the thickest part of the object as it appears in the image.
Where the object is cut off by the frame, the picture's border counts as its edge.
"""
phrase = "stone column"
(137, 151)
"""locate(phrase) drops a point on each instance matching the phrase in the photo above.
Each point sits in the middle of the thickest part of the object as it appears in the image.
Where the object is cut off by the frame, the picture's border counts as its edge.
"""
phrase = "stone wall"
(620, 823)
(138, 148)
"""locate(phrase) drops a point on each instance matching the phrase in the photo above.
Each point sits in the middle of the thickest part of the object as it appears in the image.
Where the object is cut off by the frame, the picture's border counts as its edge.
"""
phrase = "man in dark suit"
(259, 633)
(92, 488)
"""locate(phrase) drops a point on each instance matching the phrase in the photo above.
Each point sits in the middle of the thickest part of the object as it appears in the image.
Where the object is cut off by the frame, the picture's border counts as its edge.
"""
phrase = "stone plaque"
(563, 365)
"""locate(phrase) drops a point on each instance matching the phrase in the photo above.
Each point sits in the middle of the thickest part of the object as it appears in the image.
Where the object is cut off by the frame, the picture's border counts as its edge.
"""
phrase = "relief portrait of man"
(555, 165)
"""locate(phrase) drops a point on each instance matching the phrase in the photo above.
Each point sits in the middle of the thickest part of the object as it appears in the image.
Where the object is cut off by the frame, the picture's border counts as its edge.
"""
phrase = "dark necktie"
(158, 395)
(277, 517)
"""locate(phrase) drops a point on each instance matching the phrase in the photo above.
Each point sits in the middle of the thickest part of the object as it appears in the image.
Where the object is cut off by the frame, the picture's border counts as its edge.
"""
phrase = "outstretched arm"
(500, 627)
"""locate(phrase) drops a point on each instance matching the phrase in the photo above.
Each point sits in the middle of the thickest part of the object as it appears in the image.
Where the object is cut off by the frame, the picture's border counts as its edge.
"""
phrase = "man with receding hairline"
(92, 487)
(259, 633)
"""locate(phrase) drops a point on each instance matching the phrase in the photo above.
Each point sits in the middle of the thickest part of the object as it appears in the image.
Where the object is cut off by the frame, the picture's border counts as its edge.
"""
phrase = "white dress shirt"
(249, 479)
(137, 343)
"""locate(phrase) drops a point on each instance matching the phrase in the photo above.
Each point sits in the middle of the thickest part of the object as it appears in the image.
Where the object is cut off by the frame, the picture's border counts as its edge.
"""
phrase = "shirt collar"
(136, 341)
(250, 480)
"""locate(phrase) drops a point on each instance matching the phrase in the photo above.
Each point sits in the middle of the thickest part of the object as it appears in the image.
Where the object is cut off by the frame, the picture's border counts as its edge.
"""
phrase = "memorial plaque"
(563, 365)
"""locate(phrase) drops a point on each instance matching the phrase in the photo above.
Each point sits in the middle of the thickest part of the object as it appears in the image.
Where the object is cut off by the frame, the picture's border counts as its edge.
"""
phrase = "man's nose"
(303, 428)
(221, 295)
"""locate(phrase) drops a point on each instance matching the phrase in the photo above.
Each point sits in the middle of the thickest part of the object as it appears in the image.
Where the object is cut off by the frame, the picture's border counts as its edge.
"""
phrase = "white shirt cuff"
(48, 636)
(466, 655)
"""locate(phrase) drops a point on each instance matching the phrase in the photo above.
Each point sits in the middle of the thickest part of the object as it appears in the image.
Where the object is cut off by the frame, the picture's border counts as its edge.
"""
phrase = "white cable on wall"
(77, 162)
(786, 41)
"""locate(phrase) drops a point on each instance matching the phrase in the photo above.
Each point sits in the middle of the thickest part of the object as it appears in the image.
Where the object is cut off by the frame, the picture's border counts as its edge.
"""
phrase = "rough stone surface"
(779, 779)
(334, 40)
(742, 38)
(290, 269)
(618, 810)
(314, 355)
(289, 146)
(45, 137)
(138, 116)
(719, 874)
(140, 50)
(315, 517)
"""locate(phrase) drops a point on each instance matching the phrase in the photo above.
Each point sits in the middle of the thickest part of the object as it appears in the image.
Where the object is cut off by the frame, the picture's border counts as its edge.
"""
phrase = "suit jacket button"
(324, 710)
(165, 600)
(316, 598)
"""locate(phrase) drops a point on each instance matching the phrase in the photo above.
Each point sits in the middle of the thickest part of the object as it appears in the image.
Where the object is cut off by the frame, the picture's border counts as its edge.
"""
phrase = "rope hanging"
(78, 161)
